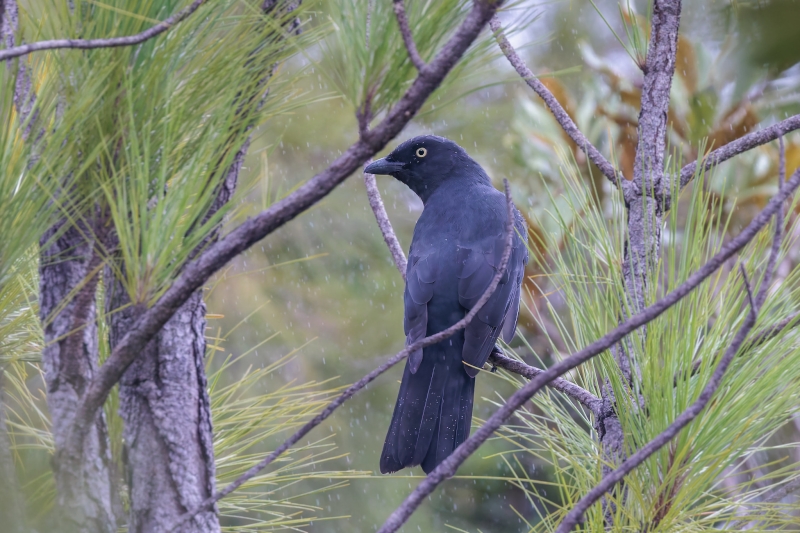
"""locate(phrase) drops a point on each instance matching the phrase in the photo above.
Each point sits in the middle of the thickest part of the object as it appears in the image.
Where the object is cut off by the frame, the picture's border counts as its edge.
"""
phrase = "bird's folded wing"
(421, 274)
(477, 265)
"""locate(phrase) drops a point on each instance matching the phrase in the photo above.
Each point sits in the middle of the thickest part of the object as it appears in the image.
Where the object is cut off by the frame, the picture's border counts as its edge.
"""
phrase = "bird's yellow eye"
(422, 152)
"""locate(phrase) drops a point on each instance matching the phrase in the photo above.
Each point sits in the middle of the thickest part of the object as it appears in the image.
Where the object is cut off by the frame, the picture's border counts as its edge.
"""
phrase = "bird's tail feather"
(432, 415)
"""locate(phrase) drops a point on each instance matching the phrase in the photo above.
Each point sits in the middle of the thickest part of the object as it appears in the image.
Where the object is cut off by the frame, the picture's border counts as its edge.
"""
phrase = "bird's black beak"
(382, 166)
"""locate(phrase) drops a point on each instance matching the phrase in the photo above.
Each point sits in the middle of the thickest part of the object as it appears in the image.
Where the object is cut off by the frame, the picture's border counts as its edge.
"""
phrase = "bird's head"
(424, 163)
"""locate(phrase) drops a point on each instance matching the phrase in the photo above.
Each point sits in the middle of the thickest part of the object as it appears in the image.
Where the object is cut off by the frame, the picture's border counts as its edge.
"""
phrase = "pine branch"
(196, 273)
(739, 146)
(113, 42)
(408, 38)
(449, 466)
(366, 380)
(575, 516)
(555, 108)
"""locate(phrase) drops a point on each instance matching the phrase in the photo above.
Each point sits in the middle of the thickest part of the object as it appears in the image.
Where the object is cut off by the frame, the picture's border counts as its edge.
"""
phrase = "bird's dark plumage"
(457, 246)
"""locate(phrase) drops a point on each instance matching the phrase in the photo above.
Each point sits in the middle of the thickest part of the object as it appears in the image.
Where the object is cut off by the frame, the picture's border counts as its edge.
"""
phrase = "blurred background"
(318, 304)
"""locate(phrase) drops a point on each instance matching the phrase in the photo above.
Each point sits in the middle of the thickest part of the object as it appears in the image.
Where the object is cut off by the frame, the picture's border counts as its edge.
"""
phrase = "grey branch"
(196, 273)
(551, 102)
(449, 466)
(408, 38)
(741, 145)
(385, 225)
(575, 515)
(366, 380)
(589, 400)
(113, 42)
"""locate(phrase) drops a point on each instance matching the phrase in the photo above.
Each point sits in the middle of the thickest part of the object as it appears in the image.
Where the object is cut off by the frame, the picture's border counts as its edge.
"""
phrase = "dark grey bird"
(457, 246)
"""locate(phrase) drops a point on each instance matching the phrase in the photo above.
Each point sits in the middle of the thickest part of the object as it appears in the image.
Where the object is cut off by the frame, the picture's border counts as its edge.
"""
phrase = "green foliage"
(155, 127)
(690, 483)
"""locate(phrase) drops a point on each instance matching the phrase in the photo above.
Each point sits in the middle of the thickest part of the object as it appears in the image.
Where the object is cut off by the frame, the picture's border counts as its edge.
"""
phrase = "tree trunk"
(165, 407)
(86, 493)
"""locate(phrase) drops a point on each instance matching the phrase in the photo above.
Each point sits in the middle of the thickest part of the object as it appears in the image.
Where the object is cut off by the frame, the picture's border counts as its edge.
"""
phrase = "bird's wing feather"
(421, 274)
(477, 264)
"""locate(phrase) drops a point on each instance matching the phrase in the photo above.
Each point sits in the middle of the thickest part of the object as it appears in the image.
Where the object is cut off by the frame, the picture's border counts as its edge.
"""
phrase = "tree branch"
(385, 225)
(408, 38)
(740, 145)
(113, 42)
(589, 400)
(555, 108)
(253, 230)
(449, 466)
(366, 380)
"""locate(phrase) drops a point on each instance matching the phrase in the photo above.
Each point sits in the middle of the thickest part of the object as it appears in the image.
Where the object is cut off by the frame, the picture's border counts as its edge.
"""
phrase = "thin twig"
(408, 38)
(385, 225)
(448, 467)
(217, 255)
(113, 42)
(575, 516)
(366, 380)
(551, 102)
(740, 145)
(576, 392)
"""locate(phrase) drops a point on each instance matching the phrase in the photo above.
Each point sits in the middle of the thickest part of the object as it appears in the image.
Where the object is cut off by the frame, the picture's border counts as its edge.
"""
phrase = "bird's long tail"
(433, 412)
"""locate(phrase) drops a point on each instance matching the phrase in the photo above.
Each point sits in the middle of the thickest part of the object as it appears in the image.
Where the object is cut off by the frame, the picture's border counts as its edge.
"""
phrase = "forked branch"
(448, 467)
(366, 380)
(112, 42)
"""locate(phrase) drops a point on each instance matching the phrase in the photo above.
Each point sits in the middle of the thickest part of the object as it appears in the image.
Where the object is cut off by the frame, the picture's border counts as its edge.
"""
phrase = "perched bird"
(457, 246)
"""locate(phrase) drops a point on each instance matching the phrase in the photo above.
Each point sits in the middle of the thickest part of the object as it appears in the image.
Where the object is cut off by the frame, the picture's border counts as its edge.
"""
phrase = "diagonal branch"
(448, 467)
(385, 225)
(113, 42)
(575, 515)
(552, 104)
(196, 273)
(576, 392)
(366, 380)
(408, 38)
(740, 145)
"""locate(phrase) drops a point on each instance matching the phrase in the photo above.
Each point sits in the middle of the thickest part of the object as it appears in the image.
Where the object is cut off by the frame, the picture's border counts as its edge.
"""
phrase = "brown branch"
(740, 145)
(408, 38)
(589, 400)
(196, 273)
(575, 515)
(385, 225)
(555, 108)
(448, 467)
(366, 380)
(113, 42)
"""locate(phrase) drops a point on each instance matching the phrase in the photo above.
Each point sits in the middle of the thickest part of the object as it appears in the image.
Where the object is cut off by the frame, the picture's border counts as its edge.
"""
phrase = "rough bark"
(165, 406)
(86, 493)
(644, 202)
